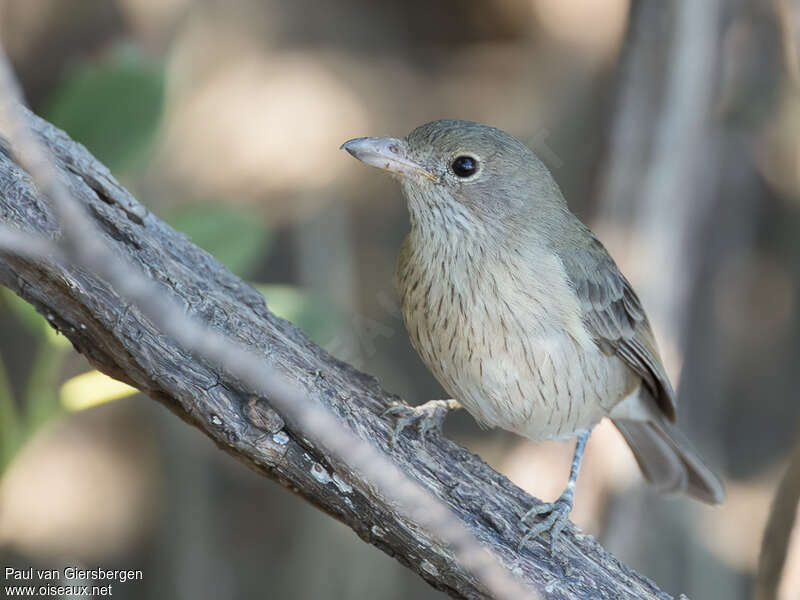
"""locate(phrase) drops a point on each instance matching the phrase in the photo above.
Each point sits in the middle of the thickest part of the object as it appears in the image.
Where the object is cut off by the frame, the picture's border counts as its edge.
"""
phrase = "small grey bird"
(520, 312)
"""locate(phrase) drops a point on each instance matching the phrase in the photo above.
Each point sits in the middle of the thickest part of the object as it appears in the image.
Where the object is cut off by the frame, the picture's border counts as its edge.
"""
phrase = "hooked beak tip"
(349, 145)
(387, 154)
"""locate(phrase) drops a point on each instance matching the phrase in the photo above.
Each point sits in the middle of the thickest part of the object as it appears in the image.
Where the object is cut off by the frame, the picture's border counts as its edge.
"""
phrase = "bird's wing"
(613, 314)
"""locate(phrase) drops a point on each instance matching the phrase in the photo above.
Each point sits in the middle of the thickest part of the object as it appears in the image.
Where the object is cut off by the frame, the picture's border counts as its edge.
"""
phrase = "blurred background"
(674, 131)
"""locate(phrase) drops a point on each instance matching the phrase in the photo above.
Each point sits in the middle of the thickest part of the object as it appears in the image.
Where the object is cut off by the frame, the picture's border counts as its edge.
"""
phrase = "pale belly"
(517, 363)
(540, 388)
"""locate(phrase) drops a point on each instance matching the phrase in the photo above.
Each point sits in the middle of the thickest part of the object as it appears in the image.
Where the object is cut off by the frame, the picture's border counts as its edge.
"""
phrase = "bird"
(520, 312)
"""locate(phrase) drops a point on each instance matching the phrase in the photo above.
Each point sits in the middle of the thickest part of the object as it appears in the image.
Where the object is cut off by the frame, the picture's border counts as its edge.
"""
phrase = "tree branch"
(119, 339)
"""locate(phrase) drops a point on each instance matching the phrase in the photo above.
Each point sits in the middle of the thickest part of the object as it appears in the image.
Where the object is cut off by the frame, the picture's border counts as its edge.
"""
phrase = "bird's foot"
(555, 518)
(426, 417)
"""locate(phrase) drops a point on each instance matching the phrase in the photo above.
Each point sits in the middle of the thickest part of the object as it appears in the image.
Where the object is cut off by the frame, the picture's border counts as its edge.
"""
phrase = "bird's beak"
(389, 154)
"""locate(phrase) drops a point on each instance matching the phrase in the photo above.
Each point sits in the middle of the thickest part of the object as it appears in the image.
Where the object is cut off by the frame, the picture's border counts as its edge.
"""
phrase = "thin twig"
(20, 243)
(778, 532)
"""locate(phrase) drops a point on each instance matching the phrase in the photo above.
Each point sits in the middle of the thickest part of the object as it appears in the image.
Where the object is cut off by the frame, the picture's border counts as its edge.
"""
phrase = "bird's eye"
(465, 166)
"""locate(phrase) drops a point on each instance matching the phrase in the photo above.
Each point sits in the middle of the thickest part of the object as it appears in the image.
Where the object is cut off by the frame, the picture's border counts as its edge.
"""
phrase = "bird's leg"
(426, 417)
(557, 513)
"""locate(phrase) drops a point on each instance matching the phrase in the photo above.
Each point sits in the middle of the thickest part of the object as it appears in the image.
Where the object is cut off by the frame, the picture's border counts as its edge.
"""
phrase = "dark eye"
(464, 166)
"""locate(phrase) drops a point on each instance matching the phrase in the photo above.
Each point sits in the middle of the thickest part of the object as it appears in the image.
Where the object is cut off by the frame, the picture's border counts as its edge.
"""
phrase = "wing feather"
(613, 314)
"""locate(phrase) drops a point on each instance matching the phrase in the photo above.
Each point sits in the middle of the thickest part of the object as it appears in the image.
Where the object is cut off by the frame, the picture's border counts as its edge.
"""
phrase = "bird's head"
(464, 174)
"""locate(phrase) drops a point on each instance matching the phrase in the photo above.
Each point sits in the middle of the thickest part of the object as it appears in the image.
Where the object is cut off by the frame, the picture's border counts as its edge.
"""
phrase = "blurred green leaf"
(234, 236)
(92, 388)
(40, 399)
(39, 404)
(32, 320)
(25, 314)
(9, 422)
(308, 312)
(41, 389)
(113, 107)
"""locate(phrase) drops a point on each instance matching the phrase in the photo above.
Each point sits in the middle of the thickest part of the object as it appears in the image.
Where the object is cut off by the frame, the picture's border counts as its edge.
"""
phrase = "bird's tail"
(668, 461)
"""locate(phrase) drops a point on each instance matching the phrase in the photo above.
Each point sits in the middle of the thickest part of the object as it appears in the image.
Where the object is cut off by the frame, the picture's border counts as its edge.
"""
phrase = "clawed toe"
(426, 418)
(556, 517)
(403, 416)
(398, 411)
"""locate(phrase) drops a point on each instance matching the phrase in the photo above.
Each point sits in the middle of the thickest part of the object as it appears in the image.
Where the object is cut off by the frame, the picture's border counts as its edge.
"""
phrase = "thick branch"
(119, 341)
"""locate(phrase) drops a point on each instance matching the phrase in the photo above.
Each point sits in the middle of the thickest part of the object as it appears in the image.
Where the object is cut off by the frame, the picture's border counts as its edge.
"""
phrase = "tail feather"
(668, 461)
